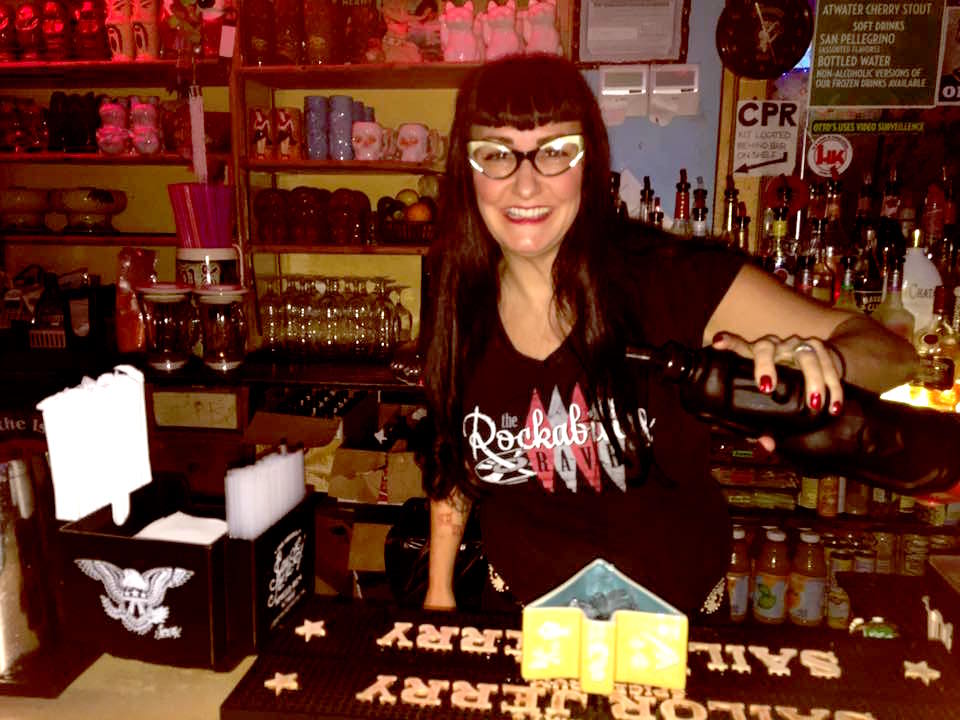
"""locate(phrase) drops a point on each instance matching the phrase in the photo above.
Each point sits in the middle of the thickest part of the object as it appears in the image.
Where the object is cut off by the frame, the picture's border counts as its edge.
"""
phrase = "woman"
(568, 453)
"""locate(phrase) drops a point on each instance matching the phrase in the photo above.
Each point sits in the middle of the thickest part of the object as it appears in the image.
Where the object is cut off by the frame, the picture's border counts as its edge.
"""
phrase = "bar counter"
(116, 687)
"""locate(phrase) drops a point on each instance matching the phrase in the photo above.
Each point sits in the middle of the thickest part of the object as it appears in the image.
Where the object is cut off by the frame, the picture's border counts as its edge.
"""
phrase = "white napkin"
(180, 527)
(97, 443)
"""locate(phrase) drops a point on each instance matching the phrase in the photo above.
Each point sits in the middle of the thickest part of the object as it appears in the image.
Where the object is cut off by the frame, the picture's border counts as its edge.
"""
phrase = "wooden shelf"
(341, 249)
(383, 75)
(55, 158)
(340, 166)
(93, 239)
(259, 367)
(106, 73)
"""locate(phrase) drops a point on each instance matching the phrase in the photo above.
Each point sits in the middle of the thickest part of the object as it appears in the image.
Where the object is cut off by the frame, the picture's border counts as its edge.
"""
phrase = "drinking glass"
(404, 316)
(331, 319)
(382, 319)
(358, 314)
(272, 317)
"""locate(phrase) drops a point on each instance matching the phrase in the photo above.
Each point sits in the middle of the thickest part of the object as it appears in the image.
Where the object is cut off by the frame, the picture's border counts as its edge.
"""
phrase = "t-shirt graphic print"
(563, 442)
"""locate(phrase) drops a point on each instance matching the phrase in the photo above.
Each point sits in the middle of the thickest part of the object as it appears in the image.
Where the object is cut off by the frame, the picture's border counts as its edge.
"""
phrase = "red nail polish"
(766, 383)
(815, 401)
(836, 407)
(718, 337)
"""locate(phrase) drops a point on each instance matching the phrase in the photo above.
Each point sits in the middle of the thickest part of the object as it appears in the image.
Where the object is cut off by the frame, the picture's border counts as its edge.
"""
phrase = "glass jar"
(223, 321)
(170, 322)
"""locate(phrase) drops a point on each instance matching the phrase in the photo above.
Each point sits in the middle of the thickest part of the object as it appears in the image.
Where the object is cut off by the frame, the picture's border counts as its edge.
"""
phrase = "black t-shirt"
(553, 494)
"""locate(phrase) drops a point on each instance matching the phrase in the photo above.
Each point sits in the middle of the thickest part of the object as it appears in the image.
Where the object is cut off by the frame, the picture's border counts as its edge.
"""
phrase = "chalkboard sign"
(876, 54)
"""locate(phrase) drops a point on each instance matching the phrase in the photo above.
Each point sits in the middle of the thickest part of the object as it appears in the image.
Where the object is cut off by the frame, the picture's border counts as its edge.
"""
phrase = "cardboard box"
(176, 603)
(372, 476)
(646, 645)
(941, 604)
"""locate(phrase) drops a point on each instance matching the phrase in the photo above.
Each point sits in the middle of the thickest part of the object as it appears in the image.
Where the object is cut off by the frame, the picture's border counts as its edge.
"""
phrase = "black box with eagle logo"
(176, 603)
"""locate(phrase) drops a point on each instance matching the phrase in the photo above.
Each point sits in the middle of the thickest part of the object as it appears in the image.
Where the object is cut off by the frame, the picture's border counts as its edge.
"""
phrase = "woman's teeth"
(527, 213)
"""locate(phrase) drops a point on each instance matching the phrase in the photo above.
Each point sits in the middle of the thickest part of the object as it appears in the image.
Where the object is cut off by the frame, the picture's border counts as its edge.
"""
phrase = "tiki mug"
(539, 26)
(8, 33)
(112, 135)
(55, 27)
(146, 31)
(417, 143)
(89, 36)
(120, 30)
(144, 125)
(211, 27)
(370, 141)
(29, 35)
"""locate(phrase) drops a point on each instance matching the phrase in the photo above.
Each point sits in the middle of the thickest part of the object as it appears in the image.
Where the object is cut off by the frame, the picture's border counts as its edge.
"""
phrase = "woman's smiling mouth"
(521, 214)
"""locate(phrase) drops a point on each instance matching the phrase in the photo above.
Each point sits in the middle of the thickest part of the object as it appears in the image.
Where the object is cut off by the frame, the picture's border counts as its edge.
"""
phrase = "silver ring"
(804, 347)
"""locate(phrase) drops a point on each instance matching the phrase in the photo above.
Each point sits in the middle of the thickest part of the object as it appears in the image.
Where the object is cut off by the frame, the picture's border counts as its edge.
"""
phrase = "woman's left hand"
(821, 366)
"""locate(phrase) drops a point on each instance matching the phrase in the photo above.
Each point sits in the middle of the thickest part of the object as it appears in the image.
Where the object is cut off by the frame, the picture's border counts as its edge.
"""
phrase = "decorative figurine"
(89, 37)
(500, 35)
(538, 24)
(120, 30)
(144, 125)
(261, 134)
(397, 47)
(288, 122)
(146, 31)
(8, 33)
(112, 135)
(29, 35)
(56, 30)
(460, 35)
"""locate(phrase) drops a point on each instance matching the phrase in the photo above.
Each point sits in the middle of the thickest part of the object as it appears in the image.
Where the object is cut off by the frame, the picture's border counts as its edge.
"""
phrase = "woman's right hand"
(439, 598)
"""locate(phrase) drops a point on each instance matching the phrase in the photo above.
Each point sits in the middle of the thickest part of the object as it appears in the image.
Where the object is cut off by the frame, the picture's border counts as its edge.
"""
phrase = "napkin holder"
(179, 603)
(646, 646)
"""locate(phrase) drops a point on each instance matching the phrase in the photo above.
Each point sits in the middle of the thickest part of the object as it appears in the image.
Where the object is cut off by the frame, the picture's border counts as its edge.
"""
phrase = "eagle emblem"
(135, 599)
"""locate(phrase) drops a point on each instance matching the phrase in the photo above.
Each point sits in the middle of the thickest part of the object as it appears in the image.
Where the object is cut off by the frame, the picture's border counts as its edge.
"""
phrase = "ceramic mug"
(371, 141)
(417, 143)
(203, 267)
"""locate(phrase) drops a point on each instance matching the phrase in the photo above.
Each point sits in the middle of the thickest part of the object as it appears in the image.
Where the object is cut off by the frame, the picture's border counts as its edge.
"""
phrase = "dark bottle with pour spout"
(873, 441)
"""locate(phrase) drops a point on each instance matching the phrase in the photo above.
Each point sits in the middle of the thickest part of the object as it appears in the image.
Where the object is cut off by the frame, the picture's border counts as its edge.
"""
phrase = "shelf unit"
(106, 73)
(340, 249)
(54, 158)
(92, 239)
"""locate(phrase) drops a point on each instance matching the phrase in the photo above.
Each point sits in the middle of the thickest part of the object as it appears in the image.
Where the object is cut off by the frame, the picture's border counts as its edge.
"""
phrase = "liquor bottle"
(777, 259)
(822, 273)
(890, 204)
(681, 213)
(742, 228)
(728, 230)
(868, 273)
(699, 213)
(847, 300)
(620, 207)
(936, 345)
(907, 217)
(891, 313)
(836, 242)
(656, 215)
(920, 277)
(886, 444)
(646, 201)
(864, 220)
(803, 276)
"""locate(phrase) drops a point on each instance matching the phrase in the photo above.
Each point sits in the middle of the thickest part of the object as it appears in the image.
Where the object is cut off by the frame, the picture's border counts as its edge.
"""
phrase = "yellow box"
(646, 643)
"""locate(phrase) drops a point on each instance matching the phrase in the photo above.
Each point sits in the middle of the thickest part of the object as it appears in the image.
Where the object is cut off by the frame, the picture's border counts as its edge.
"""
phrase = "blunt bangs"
(526, 92)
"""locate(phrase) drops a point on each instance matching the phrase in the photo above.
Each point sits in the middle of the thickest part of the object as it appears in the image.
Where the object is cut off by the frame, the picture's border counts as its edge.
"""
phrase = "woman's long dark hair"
(523, 92)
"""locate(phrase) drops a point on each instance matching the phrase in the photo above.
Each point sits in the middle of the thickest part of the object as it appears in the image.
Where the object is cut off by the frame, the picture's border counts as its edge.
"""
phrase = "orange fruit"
(418, 212)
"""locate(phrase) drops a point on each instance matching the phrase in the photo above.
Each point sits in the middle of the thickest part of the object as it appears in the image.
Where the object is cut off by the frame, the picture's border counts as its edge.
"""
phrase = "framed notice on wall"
(876, 54)
(630, 31)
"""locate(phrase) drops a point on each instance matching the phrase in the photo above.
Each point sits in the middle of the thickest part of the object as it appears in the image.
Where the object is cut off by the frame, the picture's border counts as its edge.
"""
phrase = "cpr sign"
(830, 153)
(765, 142)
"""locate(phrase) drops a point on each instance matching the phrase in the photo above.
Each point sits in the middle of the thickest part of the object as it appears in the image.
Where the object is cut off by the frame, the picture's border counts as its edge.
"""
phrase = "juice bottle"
(738, 576)
(773, 573)
(808, 582)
